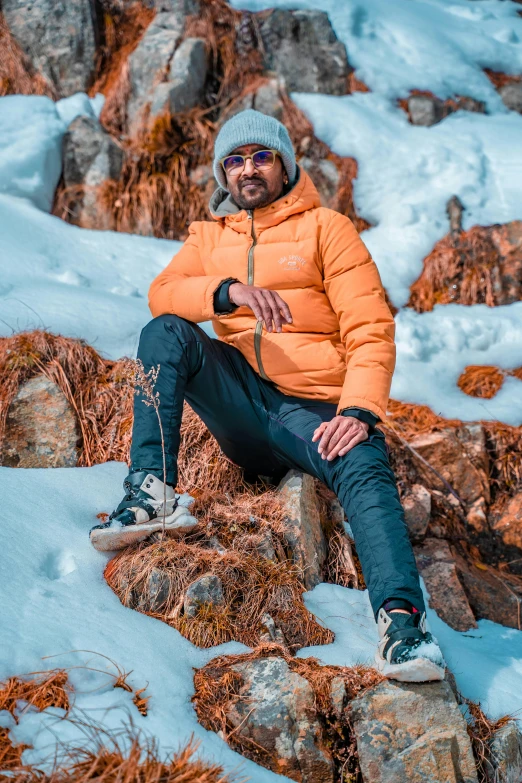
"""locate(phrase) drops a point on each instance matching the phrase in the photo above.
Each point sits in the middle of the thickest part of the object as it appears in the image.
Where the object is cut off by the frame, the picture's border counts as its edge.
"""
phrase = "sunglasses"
(263, 160)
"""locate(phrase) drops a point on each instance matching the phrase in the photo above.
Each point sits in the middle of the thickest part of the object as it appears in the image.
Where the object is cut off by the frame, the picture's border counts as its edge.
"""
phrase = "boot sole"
(417, 670)
(111, 539)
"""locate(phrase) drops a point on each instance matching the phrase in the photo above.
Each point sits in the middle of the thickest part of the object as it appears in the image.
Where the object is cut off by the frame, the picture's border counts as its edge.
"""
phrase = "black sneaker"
(140, 514)
(407, 651)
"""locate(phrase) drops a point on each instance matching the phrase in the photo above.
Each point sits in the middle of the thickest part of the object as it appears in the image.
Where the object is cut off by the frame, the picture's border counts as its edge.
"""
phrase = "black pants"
(267, 432)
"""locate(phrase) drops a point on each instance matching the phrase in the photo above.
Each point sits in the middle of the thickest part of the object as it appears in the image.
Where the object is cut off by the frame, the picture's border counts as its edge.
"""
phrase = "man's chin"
(252, 200)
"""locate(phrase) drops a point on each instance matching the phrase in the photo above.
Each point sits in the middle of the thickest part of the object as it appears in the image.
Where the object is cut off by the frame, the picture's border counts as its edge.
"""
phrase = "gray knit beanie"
(253, 127)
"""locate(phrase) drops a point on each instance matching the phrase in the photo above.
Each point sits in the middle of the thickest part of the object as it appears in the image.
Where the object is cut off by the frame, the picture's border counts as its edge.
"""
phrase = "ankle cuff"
(399, 603)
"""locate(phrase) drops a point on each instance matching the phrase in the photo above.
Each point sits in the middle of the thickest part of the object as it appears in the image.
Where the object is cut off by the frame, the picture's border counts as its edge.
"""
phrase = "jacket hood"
(302, 196)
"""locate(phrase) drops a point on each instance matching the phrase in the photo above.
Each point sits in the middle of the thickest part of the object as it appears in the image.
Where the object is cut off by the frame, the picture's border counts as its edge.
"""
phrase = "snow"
(486, 661)
(434, 348)
(93, 285)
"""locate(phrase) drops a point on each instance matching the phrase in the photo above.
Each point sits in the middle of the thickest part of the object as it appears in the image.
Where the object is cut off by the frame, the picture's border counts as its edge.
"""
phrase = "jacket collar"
(301, 197)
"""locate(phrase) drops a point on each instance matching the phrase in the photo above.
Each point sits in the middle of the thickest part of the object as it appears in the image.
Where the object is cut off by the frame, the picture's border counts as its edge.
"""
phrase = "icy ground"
(94, 285)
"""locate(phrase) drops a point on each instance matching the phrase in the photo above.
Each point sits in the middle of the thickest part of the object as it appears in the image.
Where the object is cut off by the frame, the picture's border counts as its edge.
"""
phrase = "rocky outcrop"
(427, 109)
(90, 158)
(447, 597)
(511, 95)
(149, 63)
(459, 455)
(59, 38)
(508, 524)
(492, 595)
(186, 75)
(155, 593)
(41, 428)
(275, 709)
(292, 39)
(505, 759)
(507, 238)
(417, 511)
(326, 177)
(266, 98)
(412, 732)
(205, 591)
(304, 535)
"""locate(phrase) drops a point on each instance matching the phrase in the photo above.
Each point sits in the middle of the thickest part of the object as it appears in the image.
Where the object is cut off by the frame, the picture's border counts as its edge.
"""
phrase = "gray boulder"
(41, 428)
(149, 63)
(425, 110)
(412, 732)
(155, 593)
(303, 534)
(447, 596)
(511, 95)
(185, 81)
(90, 158)
(417, 511)
(207, 590)
(58, 37)
(303, 50)
(326, 178)
(276, 709)
(506, 755)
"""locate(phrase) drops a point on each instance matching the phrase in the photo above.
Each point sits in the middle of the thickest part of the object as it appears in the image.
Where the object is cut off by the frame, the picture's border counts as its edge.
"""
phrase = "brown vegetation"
(461, 269)
(484, 381)
(17, 75)
(217, 686)
(500, 79)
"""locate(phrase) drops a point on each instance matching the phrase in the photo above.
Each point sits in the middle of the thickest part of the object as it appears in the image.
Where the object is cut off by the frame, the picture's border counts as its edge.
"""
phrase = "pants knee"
(168, 326)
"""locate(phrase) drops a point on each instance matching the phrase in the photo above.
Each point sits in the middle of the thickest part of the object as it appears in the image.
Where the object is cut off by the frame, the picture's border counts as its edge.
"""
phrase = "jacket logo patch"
(292, 262)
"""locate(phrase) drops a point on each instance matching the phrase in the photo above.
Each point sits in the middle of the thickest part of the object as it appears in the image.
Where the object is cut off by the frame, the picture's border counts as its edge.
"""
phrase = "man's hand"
(339, 435)
(266, 305)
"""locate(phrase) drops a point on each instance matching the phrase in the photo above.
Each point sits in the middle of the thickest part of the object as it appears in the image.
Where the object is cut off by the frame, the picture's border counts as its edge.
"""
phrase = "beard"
(250, 198)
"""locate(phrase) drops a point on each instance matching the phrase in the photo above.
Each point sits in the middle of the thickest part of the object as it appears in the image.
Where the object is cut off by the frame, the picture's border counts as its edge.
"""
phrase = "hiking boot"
(407, 651)
(140, 514)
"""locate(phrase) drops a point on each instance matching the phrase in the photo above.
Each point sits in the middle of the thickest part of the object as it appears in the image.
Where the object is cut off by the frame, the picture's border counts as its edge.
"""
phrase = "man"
(298, 378)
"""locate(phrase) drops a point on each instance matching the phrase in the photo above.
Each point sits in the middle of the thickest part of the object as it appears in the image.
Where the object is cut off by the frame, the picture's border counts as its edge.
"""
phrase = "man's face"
(253, 188)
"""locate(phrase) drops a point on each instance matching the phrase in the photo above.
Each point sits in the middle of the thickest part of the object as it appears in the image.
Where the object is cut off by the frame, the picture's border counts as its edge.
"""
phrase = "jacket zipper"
(259, 325)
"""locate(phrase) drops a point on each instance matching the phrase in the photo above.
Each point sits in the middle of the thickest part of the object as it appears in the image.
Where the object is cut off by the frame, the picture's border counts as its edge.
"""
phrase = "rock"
(303, 50)
(276, 709)
(438, 569)
(58, 37)
(149, 63)
(90, 158)
(459, 455)
(506, 754)
(325, 176)
(508, 525)
(417, 511)
(508, 240)
(41, 428)
(511, 95)
(266, 99)
(201, 175)
(492, 595)
(425, 110)
(455, 208)
(185, 80)
(476, 516)
(338, 696)
(272, 632)
(412, 732)
(205, 590)
(304, 534)
(155, 593)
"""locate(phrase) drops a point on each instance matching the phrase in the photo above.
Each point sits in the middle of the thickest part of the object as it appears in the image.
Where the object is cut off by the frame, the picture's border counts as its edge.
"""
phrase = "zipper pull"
(250, 214)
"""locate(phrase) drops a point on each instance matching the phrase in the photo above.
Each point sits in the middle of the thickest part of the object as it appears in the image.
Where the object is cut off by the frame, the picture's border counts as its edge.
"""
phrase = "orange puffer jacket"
(340, 344)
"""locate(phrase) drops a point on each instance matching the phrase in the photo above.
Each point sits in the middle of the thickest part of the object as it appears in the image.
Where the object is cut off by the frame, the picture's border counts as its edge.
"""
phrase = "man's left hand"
(339, 435)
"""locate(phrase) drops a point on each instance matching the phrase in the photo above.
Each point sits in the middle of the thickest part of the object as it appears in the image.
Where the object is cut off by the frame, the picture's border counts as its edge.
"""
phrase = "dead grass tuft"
(42, 690)
(132, 758)
(462, 268)
(481, 731)
(484, 381)
(500, 79)
(17, 75)
(252, 586)
(97, 389)
(217, 687)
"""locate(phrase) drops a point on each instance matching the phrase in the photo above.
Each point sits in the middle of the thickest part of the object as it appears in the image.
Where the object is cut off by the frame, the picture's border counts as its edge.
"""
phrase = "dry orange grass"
(97, 389)
(252, 587)
(17, 75)
(500, 79)
(217, 687)
(481, 731)
(484, 381)
(459, 269)
(42, 690)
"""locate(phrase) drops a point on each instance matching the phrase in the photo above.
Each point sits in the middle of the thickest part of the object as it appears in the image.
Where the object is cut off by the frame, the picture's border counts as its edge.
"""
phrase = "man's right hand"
(266, 305)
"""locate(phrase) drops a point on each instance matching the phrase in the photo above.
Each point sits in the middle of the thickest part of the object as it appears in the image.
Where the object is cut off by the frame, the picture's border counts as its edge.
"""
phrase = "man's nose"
(249, 167)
